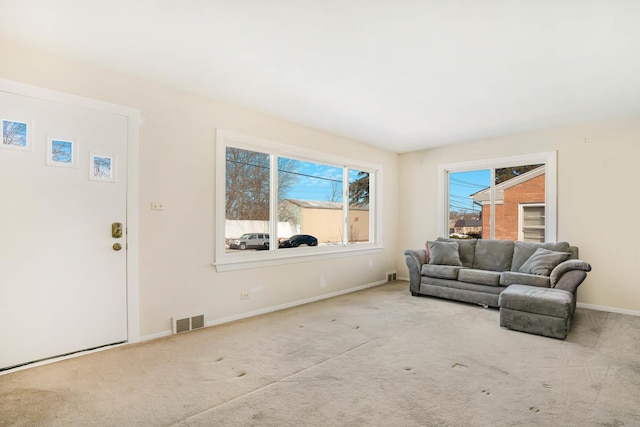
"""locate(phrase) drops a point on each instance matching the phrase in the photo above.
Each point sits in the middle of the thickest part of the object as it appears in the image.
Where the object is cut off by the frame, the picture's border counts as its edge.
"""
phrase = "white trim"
(345, 212)
(492, 206)
(24, 89)
(301, 255)
(549, 158)
(226, 262)
(59, 359)
(271, 309)
(265, 145)
(521, 208)
(609, 309)
(133, 227)
(133, 143)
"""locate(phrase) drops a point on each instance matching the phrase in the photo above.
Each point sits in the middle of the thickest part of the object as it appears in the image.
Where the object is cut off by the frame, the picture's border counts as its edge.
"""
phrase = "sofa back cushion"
(466, 249)
(444, 253)
(523, 251)
(493, 255)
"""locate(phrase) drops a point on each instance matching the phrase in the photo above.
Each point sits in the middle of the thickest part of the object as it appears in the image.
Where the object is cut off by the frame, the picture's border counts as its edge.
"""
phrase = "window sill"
(279, 257)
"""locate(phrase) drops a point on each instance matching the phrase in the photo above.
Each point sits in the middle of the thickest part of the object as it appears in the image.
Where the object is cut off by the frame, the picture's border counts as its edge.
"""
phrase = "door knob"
(116, 230)
(117, 246)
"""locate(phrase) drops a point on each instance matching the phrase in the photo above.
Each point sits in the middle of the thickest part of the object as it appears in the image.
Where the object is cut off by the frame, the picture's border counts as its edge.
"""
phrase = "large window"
(276, 203)
(509, 198)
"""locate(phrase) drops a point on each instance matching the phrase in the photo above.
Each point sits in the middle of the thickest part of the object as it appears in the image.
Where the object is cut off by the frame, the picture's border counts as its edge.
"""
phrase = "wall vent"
(187, 323)
(391, 276)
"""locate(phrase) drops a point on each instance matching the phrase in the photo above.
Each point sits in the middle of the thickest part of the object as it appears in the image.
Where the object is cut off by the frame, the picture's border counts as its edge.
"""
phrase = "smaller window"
(500, 188)
(532, 223)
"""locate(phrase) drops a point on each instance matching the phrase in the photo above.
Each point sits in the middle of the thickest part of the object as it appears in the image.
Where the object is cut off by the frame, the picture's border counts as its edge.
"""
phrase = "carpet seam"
(283, 379)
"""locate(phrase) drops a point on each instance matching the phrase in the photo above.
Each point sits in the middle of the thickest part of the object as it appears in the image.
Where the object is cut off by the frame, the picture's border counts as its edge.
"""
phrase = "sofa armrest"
(415, 258)
(568, 275)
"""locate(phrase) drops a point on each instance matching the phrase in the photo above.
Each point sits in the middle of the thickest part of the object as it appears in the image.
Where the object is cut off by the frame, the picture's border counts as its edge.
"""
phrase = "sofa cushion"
(466, 249)
(543, 261)
(549, 302)
(456, 284)
(481, 277)
(508, 278)
(441, 271)
(523, 251)
(444, 253)
(494, 255)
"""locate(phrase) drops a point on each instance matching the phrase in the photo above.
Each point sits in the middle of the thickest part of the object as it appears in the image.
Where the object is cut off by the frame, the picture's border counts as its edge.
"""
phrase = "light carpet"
(377, 357)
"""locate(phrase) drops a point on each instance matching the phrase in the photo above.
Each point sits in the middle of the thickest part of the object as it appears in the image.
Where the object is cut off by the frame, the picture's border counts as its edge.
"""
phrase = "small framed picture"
(102, 167)
(16, 135)
(62, 152)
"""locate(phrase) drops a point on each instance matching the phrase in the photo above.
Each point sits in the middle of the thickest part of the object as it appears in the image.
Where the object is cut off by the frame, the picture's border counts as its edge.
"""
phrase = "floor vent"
(189, 323)
(391, 277)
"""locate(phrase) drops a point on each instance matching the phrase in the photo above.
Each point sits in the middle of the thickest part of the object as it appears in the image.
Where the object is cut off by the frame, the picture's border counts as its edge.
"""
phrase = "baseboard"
(60, 358)
(292, 304)
(156, 335)
(266, 310)
(609, 309)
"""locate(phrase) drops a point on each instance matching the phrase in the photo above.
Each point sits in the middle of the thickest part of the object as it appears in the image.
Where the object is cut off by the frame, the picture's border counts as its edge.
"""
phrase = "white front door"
(63, 184)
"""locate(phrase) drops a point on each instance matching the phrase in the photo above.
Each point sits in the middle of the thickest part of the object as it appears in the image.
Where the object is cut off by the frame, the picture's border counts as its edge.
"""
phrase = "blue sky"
(463, 184)
(316, 181)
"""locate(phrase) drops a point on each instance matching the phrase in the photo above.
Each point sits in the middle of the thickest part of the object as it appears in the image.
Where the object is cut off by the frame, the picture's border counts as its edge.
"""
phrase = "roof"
(484, 196)
(468, 223)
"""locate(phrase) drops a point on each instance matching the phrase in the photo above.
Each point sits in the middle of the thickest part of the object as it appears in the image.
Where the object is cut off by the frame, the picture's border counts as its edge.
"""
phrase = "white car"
(250, 241)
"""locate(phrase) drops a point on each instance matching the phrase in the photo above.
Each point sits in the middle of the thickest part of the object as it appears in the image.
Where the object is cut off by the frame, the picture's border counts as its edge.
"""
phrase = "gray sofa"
(478, 271)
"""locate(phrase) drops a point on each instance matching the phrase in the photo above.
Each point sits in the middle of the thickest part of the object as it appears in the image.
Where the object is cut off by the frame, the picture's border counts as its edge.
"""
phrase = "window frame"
(224, 261)
(549, 158)
(521, 210)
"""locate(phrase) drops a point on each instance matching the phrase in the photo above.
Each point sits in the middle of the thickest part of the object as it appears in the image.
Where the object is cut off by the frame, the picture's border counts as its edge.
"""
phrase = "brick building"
(519, 207)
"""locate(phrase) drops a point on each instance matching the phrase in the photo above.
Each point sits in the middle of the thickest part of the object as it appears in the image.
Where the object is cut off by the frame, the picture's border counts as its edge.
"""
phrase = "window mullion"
(273, 203)
(492, 201)
(373, 201)
(345, 206)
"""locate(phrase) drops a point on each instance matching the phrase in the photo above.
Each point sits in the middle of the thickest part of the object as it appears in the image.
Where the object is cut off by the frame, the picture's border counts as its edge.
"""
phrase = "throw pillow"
(428, 257)
(543, 261)
(523, 251)
(444, 253)
(466, 249)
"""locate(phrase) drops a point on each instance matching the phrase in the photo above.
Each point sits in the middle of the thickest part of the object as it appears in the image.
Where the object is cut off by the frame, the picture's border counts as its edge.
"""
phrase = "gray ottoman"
(540, 311)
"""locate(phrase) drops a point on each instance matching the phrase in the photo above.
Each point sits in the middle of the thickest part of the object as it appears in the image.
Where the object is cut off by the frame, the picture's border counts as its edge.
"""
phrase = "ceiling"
(403, 75)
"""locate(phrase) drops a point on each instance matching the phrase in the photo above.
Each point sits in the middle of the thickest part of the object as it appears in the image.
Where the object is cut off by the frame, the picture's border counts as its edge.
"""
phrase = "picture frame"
(16, 134)
(102, 167)
(62, 152)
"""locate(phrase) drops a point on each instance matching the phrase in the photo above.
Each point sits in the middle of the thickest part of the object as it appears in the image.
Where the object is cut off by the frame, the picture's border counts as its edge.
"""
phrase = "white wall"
(177, 168)
(598, 199)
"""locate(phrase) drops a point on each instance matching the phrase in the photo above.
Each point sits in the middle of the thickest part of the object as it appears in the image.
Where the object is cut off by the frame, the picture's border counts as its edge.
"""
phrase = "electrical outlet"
(157, 206)
(244, 295)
